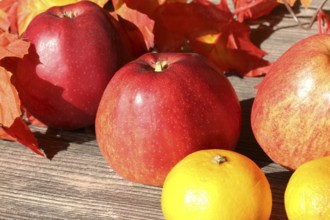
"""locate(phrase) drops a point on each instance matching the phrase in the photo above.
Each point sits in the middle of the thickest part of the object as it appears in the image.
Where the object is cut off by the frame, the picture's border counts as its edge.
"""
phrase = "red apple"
(75, 51)
(161, 107)
(291, 112)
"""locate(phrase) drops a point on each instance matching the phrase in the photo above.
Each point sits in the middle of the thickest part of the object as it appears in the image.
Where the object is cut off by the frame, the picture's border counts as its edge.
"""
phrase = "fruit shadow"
(278, 182)
(51, 141)
(248, 146)
(247, 143)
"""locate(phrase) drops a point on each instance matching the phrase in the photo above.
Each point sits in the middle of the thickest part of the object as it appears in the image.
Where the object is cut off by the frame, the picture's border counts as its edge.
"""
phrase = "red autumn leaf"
(218, 36)
(22, 134)
(143, 24)
(5, 136)
(246, 9)
(323, 23)
(232, 50)
(12, 126)
(147, 7)
(7, 94)
(8, 15)
(9, 102)
(4, 21)
(12, 46)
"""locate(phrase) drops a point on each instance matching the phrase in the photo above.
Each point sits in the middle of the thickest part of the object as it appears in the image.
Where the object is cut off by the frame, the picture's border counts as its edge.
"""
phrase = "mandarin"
(216, 184)
(307, 195)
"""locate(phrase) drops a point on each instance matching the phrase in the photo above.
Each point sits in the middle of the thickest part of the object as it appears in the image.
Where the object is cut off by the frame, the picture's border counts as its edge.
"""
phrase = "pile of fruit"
(164, 112)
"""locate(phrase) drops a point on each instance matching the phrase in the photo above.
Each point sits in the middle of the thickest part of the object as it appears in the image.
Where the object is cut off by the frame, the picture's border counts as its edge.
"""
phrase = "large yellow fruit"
(307, 195)
(216, 184)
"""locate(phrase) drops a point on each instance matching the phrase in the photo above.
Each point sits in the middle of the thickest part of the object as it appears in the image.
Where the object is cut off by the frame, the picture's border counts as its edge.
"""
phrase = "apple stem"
(68, 14)
(160, 66)
(219, 159)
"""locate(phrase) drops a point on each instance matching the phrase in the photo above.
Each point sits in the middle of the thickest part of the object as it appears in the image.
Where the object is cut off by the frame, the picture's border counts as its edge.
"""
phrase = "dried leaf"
(144, 25)
(28, 9)
(323, 23)
(305, 3)
(12, 46)
(147, 7)
(246, 9)
(9, 100)
(12, 126)
(22, 134)
(217, 36)
(8, 15)
(290, 2)
(4, 22)
(5, 136)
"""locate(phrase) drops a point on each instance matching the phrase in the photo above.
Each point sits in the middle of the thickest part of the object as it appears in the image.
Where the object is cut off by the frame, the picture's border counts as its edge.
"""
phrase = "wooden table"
(76, 182)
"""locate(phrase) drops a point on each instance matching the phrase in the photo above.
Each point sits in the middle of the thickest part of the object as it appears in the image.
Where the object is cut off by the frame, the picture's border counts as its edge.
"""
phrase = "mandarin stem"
(219, 159)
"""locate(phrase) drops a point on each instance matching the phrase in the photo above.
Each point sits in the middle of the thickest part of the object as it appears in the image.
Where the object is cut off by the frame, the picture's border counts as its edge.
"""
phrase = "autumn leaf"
(5, 136)
(144, 24)
(10, 107)
(304, 3)
(199, 26)
(12, 126)
(9, 103)
(246, 9)
(12, 46)
(217, 36)
(323, 23)
(4, 22)
(8, 15)
(22, 134)
(28, 9)
(147, 7)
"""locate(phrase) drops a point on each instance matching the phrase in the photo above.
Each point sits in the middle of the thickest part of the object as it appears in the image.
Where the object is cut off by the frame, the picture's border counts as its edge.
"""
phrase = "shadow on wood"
(278, 182)
(53, 141)
(247, 143)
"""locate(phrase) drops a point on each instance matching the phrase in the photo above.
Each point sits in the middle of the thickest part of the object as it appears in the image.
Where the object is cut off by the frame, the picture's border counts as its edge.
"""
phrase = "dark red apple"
(75, 51)
(161, 107)
(291, 111)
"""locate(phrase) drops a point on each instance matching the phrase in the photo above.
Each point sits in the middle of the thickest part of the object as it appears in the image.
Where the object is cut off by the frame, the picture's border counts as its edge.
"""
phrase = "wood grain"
(76, 183)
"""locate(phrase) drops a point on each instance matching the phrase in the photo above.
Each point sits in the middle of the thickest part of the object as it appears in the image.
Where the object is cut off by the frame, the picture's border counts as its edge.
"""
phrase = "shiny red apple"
(161, 107)
(291, 111)
(75, 51)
